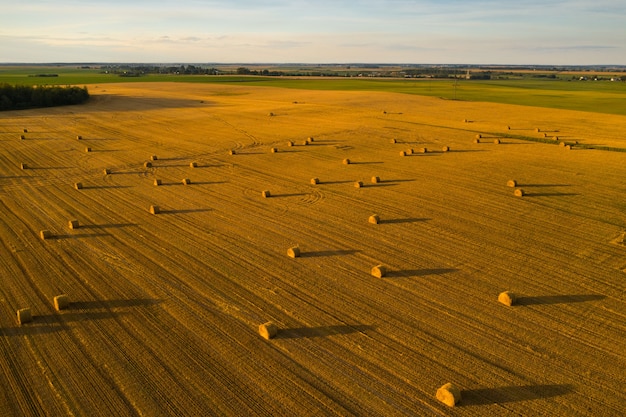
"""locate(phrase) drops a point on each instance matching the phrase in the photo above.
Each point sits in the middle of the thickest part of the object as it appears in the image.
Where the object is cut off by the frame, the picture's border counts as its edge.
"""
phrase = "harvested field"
(165, 309)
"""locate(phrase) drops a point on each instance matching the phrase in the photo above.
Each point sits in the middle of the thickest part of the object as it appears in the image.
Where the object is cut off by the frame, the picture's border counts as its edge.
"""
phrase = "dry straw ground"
(166, 309)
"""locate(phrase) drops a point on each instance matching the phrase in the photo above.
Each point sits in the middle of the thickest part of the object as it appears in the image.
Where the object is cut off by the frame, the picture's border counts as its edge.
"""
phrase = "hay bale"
(61, 302)
(273, 150)
(147, 164)
(310, 139)
(154, 158)
(155, 209)
(78, 137)
(379, 271)
(232, 152)
(568, 147)
(562, 144)
(346, 161)
(402, 153)
(445, 149)
(87, 149)
(507, 298)
(73, 224)
(25, 130)
(410, 151)
(107, 171)
(423, 150)
(45, 234)
(374, 219)
(375, 180)
(476, 140)
(478, 136)
(23, 166)
(555, 138)
(186, 181)
(394, 140)
(508, 128)
(193, 165)
(315, 181)
(24, 315)
(358, 184)
(305, 143)
(78, 185)
(293, 252)
(465, 121)
(449, 394)
(157, 182)
(22, 137)
(537, 130)
(545, 135)
(266, 194)
(518, 192)
(290, 143)
(496, 141)
(270, 114)
(511, 183)
(268, 330)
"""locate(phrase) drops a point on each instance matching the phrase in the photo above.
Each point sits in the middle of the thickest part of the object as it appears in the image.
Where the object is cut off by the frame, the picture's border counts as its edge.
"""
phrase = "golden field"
(165, 308)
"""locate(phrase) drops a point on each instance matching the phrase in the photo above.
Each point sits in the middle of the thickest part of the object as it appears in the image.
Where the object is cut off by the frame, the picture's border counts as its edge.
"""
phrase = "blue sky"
(551, 32)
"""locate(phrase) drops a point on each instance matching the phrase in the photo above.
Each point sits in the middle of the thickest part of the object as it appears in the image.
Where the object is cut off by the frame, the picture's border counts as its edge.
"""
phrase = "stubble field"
(165, 307)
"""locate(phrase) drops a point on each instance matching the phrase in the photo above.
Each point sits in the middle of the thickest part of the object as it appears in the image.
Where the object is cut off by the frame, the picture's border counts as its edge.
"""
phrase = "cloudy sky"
(553, 32)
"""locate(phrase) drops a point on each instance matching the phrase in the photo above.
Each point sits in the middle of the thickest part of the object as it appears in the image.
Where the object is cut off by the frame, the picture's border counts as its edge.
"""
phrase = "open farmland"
(165, 307)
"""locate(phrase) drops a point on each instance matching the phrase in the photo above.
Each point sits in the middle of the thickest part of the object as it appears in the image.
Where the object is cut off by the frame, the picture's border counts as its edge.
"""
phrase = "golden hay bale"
(518, 192)
(22, 137)
(193, 165)
(476, 140)
(507, 298)
(394, 140)
(147, 164)
(78, 137)
(293, 252)
(562, 144)
(465, 121)
(78, 185)
(555, 138)
(402, 153)
(358, 184)
(374, 219)
(379, 271)
(375, 180)
(270, 114)
(155, 209)
(310, 139)
(24, 166)
(478, 136)
(157, 182)
(268, 330)
(45, 234)
(508, 128)
(107, 171)
(87, 149)
(545, 135)
(449, 394)
(305, 143)
(61, 302)
(24, 315)
(423, 150)
(232, 152)
(266, 194)
(445, 149)
(496, 141)
(186, 181)
(25, 130)
(73, 224)
(511, 183)
(568, 147)
(410, 151)
(346, 161)
(273, 150)
(290, 143)
(154, 158)
(315, 181)
(537, 130)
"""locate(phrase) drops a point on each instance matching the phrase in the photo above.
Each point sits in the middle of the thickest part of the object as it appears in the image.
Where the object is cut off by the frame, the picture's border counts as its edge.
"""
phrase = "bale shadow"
(114, 303)
(77, 236)
(207, 182)
(544, 185)
(335, 182)
(393, 181)
(31, 329)
(406, 273)
(321, 331)
(108, 226)
(104, 187)
(558, 299)
(550, 194)
(184, 211)
(400, 221)
(365, 163)
(315, 254)
(67, 316)
(288, 195)
(508, 394)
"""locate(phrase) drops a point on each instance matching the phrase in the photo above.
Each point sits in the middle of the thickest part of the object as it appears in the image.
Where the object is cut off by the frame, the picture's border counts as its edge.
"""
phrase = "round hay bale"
(358, 184)
(402, 153)
(25, 130)
(445, 149)
(476, 140)
(87, 149)
(22, 137)
(290, 143)
(478, 136)
(78, 185)
(508, 128)
(186, 181)
(157, 182)
(268, 330)
(23, 166)
(375, 180)
(45, 234)
(346, 161)
(496, 141)
(155, 209)
(273, 150)
(507, 298)
(24, 315)
(305, 143)
(154, 158)
(266, 194)
(379, 271)
(73, 224)
(449, 394)
(107, 171)
(511, 183)
(310, 139)
(545, 135)
(518, 192)
(270, 114)
(410, 151)
(193, 165)
(315, 181)
(562, 144)
(555, 138)
(147, 164)
(568, 147)
(394, 140)
(293, 252)
(61, 302)
(423, 150)
(465, 121)
(232, 152)
(78, 137)
(374, 219)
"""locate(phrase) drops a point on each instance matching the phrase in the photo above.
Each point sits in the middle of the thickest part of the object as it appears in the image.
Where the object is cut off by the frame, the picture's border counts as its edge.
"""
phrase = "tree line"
(17, 97)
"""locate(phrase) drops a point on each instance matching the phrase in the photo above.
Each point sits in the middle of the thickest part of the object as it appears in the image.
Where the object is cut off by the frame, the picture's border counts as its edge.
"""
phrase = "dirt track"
(165, 308)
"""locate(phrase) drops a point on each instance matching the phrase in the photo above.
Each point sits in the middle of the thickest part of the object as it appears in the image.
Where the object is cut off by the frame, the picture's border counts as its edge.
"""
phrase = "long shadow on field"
(322, 331)
(419, 272)
(558, 299)
(330, 182)
(365, 163)
(288, 195)
(208, 182)
(105, 187)
(78, 236)
(70, 316)
(322, 253)
(543, 185)
(184, 211)
(108, 225)
(115, 303)
(531, 194)
(31, 329)
(400, 221)
(392, 181)
(500, 395)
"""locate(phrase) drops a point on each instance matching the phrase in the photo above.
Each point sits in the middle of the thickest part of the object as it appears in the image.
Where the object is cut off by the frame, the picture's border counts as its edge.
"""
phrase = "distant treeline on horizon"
(18, 97)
